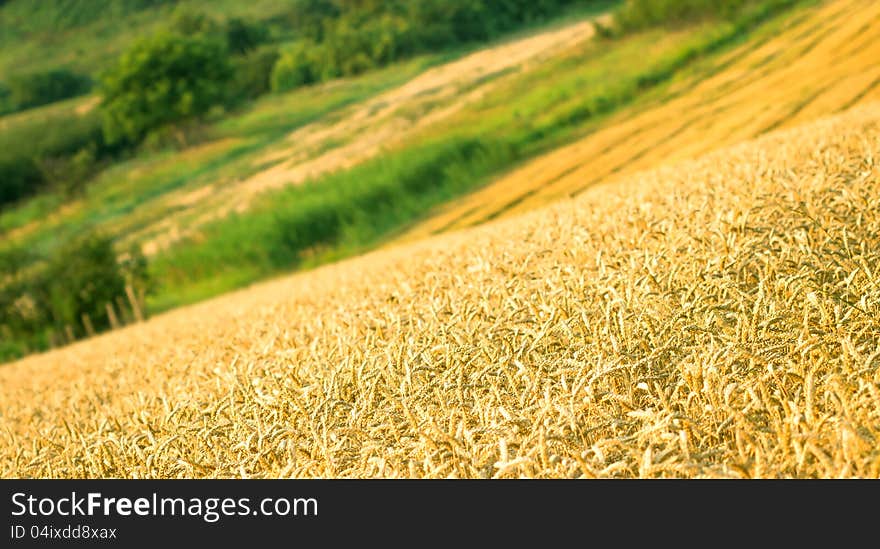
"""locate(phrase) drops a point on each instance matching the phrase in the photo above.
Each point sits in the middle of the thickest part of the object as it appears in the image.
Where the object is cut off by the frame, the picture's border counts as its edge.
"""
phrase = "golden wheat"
(715, 318)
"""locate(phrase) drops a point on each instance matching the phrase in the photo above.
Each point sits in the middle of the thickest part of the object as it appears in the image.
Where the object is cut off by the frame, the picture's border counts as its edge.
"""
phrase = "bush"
(308, 17)
(33, 90)
(84, 276)
(40, 296)
(161, 81)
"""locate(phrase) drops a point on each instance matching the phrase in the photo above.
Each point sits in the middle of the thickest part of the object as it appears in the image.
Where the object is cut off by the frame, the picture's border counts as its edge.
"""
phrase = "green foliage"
(161, 81)
(240, 35)
(39, 297)
(5, 103)
(308, 17)
(19, 177)
(32, 90)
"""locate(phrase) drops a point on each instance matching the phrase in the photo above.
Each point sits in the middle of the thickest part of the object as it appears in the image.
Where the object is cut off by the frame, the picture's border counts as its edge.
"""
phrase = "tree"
(161, 81)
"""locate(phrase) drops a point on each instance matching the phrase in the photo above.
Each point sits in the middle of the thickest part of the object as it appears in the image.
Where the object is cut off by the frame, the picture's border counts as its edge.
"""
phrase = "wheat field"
(822, 61)
(719, 317)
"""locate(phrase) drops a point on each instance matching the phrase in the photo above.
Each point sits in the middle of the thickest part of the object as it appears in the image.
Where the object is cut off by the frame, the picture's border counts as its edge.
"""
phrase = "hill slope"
(824, 61)
(720, 317)
(364, 130)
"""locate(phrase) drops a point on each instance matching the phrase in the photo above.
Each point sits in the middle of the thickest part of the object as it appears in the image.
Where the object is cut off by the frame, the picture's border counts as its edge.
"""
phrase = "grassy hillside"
(156, 196)
(714, 318)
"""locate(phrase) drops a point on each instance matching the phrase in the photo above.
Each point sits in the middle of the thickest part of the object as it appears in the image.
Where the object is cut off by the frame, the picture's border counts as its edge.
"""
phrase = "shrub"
(340, 38)
(39, 296)
(84, 276)
(309, 17)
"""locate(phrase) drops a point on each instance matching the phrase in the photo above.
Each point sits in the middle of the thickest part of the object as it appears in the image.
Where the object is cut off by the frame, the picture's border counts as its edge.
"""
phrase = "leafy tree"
(163, 80)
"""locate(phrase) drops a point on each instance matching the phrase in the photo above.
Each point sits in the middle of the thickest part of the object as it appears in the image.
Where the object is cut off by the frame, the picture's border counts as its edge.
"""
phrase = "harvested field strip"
(821, 63)
(715, 318)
